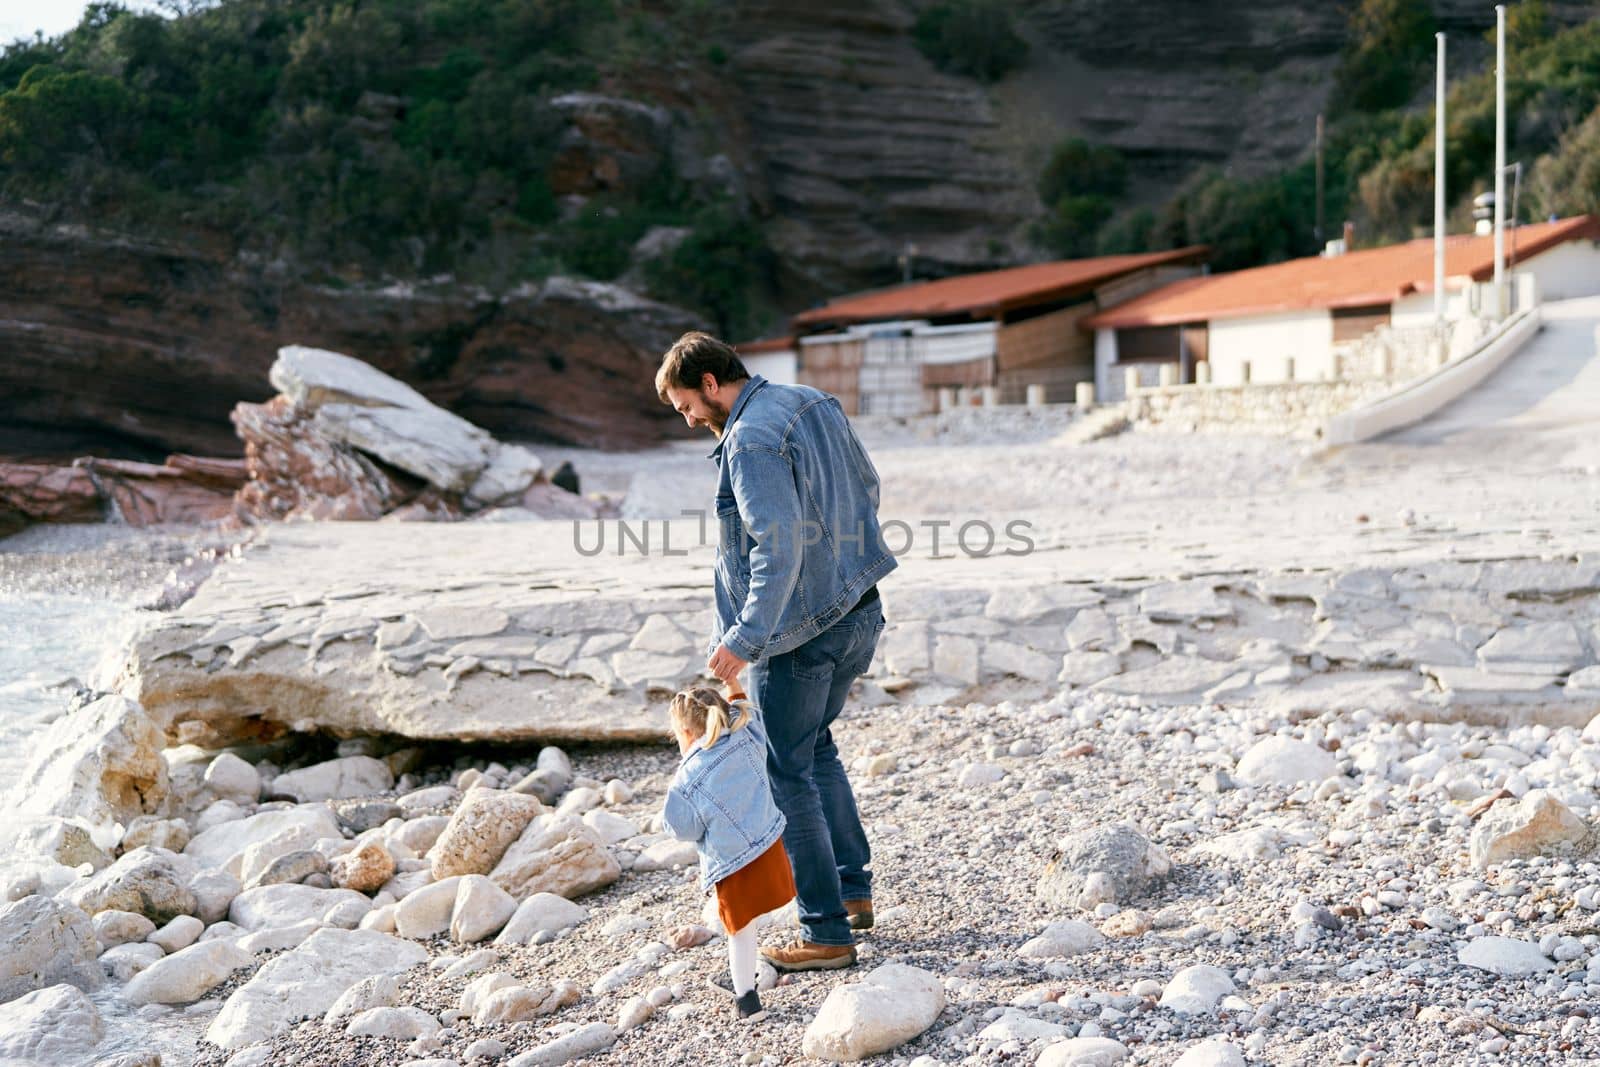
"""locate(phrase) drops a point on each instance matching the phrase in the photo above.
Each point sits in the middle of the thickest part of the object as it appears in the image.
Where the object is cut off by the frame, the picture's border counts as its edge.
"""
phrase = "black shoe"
(748, 1006)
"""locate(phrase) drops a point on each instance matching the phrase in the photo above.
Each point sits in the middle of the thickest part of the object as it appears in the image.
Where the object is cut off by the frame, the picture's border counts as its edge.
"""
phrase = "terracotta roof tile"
(766, 344)
(1355, 279)
(991, 292)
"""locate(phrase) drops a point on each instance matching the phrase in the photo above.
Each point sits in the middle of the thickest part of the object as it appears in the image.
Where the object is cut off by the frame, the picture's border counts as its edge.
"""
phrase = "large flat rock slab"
(561, 630)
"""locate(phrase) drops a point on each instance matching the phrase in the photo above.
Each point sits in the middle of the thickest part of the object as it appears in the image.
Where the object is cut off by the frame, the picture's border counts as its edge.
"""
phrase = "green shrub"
(970, 37)
(1070, 227)
(1079, 168)
(1567, 181)
(720, 269)
(1386, 56)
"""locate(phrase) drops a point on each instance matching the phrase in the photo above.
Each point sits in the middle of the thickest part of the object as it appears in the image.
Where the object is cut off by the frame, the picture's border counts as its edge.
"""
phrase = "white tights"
(742, 959)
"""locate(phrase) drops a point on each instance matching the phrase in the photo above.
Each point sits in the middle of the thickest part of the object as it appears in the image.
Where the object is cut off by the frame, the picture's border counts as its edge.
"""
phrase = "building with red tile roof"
(1008, 334)
(1289, 318)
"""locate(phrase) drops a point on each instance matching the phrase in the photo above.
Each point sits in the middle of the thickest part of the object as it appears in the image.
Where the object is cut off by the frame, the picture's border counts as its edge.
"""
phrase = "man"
(796, 601)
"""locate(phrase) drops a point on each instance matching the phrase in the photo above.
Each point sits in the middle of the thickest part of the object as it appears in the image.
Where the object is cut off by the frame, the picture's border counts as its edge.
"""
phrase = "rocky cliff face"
(134, 349)
(864, 146)
(825, 121)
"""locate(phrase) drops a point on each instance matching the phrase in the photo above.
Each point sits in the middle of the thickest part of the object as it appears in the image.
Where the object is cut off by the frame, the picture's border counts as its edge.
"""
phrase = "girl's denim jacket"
(722, 801)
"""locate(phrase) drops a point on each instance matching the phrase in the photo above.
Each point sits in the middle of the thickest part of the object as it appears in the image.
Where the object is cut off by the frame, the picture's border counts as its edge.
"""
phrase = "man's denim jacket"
(722, 801)
(797, 508)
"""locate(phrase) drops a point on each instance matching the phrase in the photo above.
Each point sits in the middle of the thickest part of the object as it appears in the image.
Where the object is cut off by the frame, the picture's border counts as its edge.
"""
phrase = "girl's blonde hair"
(704, 711)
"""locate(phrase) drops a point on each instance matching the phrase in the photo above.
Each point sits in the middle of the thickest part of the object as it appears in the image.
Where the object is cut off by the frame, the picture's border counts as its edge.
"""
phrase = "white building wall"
(1267, 342)
(780, 367)
(1105, 359)
(1570, 269)
(954, 344)
(1415, 311)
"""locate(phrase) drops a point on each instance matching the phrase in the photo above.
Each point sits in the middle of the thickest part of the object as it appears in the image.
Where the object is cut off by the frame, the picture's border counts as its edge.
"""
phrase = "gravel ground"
(956, 895)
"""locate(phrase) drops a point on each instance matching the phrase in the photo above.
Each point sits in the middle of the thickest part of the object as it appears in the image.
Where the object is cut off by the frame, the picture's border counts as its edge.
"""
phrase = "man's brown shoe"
(860, 912)
(800, 955)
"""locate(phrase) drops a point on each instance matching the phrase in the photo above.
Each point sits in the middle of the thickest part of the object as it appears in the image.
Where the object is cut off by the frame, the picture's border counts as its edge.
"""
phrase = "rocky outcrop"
(343, 440)
(151, 357)
(860, 145)
(101, 763)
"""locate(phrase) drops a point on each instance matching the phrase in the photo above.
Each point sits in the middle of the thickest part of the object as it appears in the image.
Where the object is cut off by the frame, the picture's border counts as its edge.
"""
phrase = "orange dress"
(762, 885)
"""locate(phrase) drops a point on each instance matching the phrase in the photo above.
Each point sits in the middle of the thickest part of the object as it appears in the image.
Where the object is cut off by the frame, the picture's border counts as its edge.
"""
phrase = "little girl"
(721, 800)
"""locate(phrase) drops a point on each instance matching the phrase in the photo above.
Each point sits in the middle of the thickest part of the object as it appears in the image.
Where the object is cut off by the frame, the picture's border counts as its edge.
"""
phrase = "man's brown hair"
(693, 356)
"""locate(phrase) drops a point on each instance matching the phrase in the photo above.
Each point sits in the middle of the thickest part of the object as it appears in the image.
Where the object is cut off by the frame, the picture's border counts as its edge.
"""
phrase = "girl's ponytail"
(703, 712)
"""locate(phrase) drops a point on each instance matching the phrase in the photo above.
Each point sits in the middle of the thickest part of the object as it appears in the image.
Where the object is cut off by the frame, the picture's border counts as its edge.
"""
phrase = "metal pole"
(1321, 233)
(1499, 159)
(1438, 188)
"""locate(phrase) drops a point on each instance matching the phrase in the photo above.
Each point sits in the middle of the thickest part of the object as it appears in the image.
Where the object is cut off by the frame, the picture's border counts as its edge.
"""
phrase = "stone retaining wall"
(1292, 409)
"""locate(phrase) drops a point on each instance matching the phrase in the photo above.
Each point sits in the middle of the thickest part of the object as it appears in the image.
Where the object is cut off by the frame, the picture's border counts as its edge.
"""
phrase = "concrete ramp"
(1543, 405)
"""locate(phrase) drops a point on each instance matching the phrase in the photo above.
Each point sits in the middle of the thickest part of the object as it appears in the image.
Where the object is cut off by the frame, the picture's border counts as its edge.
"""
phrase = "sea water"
(51, 645)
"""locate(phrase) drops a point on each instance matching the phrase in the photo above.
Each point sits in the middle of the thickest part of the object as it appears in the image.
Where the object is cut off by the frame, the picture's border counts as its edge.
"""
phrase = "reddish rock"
(145, 494)
(135, 348)
(37, 492)
(297, 472)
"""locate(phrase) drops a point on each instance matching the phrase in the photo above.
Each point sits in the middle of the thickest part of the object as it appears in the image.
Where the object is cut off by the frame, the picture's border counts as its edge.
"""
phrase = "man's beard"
(716, 416)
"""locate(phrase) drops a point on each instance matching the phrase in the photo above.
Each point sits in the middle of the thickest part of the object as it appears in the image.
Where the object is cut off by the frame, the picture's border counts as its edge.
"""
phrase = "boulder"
(541, 913)
(113, 928)
(271, 906)
(305, 980)
(1083, 1052)
(397, 1024)
(230, 778)
(481, 909)
(426, 912)
(1214, 1052)
(584, 1041)
(556, 855)
(887, 1008)
(56, 839)
(420, 834)
(53, 1027)
(479, 989)
(363, 869)
(297, 471)
(102, 763)
(667, 855)
(178, 934)
(224, 845)
(480, 831)
(125, 961)
(359, 406)
(170, 834)
(1536, 825)
(350, 776)
(294, 866)
(213, 893)
(45, 942)
(519, 1003)
(152, 882)
(1196, 990)
(359, 816)
(1284, 761)
(189, 974)
(1106, 864)
(379, 991)
(1504, 955)
(1066, 938)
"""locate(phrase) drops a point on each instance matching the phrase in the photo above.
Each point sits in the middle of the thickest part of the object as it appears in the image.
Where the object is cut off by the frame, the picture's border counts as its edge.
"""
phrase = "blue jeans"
(800, 693)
